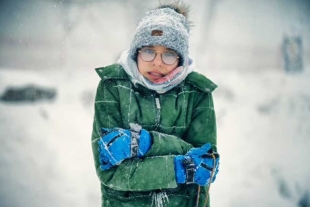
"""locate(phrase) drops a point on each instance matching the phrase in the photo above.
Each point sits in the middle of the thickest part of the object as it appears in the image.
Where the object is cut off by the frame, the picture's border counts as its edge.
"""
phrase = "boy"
(154, 132)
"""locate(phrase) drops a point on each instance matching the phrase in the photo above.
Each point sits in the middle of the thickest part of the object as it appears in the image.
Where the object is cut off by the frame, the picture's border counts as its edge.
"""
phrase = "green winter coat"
(178, 120)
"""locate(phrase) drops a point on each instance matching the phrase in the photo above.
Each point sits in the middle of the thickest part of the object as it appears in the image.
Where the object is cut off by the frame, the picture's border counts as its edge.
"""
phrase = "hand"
(118, 144)
(197, 166)
(206, 162)
(114, 147)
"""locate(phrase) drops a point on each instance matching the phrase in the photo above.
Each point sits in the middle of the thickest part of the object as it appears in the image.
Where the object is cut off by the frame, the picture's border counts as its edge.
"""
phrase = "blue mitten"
(119, 144)
(197, 166)
(113, 147)
(205, 167)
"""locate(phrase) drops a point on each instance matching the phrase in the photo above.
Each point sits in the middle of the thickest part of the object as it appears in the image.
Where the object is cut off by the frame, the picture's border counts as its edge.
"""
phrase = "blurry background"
(257, 52)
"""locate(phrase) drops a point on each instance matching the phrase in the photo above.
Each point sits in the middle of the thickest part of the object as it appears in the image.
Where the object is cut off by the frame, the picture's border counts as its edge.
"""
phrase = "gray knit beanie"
(163, 27)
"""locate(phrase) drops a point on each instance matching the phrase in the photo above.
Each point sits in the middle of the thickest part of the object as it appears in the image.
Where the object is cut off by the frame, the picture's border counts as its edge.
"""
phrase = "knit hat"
(163, 27)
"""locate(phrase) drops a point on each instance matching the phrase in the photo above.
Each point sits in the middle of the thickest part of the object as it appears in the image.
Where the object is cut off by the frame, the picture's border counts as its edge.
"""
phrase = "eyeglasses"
(148, 54)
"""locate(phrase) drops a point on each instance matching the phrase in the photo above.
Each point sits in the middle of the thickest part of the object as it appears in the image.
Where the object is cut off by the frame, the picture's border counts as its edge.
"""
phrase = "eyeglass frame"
(161, 56)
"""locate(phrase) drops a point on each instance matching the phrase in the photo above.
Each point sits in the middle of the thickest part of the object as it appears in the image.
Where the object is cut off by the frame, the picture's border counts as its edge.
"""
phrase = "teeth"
(156, 74)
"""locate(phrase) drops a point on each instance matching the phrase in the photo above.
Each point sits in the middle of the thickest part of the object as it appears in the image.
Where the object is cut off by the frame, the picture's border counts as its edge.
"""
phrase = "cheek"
(172, 67)
(141, 65)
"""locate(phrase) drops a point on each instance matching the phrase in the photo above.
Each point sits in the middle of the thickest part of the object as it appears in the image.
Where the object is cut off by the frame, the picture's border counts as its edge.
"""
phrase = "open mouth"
(156, 74)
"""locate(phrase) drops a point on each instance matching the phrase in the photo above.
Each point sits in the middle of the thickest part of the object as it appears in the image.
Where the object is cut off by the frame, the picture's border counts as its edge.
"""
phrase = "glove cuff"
(140, 140)
(180, 172)
(135, 135)
(190, 169)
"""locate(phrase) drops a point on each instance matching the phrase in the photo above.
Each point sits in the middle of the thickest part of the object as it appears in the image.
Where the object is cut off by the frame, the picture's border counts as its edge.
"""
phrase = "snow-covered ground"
(263, 138)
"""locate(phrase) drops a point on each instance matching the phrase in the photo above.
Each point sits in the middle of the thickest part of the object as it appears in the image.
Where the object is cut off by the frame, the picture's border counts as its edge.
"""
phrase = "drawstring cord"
(209, 186)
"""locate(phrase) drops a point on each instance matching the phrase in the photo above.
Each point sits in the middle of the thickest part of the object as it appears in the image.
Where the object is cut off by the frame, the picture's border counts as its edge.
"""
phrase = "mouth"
(156, 74)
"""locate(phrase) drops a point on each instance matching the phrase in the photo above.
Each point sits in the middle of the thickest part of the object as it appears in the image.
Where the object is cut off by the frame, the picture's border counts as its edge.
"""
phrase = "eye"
(170, 54)
(148, 50)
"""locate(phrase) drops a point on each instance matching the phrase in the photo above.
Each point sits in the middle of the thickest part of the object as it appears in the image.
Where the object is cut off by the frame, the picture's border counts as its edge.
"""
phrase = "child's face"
(156, 69)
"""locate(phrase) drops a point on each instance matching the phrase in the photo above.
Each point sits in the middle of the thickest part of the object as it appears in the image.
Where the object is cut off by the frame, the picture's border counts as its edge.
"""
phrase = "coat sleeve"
(202, 127)
(127, 176)
(157, 167)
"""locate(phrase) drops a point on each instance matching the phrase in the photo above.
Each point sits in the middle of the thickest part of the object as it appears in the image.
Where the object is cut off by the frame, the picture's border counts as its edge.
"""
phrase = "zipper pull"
(157, 103)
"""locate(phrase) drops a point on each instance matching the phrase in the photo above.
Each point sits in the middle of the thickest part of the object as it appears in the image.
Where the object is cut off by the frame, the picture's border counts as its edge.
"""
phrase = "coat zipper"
(157, 118)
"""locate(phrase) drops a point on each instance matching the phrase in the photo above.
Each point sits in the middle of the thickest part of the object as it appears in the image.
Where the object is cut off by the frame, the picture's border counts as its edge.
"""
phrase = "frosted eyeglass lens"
(169, 58)
(148, 54)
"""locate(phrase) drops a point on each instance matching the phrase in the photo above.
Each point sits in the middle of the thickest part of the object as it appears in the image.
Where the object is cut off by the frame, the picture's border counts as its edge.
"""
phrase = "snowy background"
(263, 112)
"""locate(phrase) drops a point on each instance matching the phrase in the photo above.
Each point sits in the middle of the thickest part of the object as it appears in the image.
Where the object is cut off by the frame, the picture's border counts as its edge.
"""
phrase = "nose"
(157, 60)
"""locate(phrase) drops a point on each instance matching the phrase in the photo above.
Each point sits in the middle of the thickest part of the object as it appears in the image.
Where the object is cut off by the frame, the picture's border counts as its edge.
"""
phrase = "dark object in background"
(292, 54)
(29, 93)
